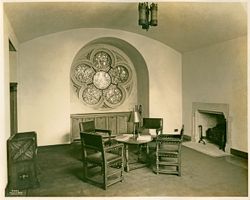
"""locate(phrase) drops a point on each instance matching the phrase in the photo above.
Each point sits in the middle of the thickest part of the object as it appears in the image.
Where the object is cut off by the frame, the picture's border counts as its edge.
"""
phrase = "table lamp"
(136, 121)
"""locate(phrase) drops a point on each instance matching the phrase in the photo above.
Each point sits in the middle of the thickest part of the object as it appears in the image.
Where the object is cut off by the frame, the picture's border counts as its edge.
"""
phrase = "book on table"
(124, 137)
(144, 138)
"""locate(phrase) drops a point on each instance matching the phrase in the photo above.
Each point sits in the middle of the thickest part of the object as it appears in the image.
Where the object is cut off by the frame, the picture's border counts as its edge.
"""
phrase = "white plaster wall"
(165, 85)
(218, 74)
(45, 88)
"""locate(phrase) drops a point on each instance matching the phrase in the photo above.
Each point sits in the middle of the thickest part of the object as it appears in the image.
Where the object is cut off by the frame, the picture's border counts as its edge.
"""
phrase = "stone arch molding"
(102, 76)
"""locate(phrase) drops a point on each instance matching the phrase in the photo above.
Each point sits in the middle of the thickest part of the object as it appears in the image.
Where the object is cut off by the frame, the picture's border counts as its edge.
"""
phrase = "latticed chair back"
(102, 165)
(168, 153)
(89, 127)
(152, 123)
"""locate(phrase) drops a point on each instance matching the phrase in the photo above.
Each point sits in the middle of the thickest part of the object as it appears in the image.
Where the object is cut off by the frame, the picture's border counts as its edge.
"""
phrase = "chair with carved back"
(89, 126)
(154, 127)
(102, 165)
(151, 123)
(168, 153)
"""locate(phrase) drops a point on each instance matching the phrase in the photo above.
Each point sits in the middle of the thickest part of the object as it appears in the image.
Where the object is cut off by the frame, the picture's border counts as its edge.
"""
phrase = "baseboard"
(42, 148)
(186, 137)
(239, 153)
(76, 141)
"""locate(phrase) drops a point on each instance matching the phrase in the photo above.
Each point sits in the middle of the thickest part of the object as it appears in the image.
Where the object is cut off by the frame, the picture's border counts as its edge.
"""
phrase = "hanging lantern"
(147, 13)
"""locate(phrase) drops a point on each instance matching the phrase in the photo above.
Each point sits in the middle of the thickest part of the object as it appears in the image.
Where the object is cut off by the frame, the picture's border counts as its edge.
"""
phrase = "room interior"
(188, 70)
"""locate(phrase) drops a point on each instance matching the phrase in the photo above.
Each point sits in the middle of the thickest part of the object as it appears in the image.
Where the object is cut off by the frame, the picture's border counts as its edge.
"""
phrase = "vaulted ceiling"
(184, 26)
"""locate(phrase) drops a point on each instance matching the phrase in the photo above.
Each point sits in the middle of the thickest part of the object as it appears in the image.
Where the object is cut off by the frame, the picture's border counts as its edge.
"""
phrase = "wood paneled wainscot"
(117, 122)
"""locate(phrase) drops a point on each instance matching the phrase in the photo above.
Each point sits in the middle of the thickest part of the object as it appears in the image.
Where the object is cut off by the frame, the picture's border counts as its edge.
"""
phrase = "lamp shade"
(136, 118)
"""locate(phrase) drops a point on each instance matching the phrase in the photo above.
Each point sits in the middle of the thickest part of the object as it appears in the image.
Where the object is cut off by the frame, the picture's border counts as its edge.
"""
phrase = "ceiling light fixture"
(147, 15)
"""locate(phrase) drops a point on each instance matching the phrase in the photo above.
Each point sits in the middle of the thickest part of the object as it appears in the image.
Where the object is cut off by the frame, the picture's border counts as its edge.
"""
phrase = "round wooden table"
(126, 140)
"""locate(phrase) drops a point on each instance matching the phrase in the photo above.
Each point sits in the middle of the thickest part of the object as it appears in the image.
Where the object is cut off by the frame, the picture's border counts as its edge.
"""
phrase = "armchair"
(95, 155)
(89, 126)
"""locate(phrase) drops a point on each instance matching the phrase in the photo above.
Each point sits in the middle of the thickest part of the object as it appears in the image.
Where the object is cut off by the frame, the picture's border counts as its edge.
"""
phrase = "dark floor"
(60, 174)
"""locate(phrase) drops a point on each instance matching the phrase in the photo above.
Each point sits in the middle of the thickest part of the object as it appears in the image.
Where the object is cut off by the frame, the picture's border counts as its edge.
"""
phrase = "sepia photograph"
(124, 99)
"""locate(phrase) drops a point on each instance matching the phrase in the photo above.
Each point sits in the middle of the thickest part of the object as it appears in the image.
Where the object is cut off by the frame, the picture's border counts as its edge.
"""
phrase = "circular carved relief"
(102, 76)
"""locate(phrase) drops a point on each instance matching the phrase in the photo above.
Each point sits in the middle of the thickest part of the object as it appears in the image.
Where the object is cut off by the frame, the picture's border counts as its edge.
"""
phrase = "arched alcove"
(139, 65)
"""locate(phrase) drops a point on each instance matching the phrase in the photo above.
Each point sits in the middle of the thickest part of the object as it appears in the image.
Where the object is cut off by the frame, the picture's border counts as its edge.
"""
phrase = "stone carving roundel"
(101, 76)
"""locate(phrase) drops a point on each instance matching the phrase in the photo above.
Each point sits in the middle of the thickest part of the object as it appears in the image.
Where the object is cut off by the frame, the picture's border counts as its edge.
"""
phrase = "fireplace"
(215, 131)
(211, 124)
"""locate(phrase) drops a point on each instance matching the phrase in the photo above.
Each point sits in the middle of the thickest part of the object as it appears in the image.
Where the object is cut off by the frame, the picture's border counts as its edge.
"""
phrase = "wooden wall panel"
(101, 122)
(112, 124)
(75, 127)
(122, 122)
(117, 122)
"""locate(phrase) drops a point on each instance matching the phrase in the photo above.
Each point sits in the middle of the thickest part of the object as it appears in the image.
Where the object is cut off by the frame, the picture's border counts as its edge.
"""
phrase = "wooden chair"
(152, 123)
(102, 165)
(168, 153)
(149, 124)
(89, 126)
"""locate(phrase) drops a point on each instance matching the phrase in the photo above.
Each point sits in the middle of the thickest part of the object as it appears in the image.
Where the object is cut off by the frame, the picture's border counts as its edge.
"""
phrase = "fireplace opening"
(211, 124)
(212, 128)
(217, 135)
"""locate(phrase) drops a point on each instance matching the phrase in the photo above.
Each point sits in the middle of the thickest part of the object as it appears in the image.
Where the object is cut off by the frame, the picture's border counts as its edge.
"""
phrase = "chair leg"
(179, 165)
(85, 172)
(157, 158)
(122, 171)
(179, 168)
(105, 177)
(157, 164)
